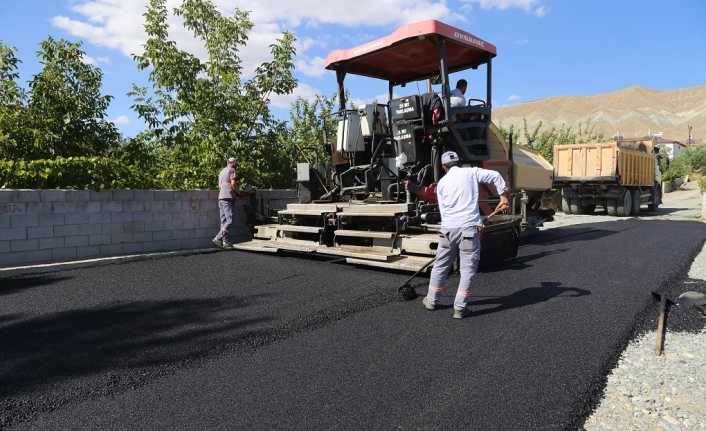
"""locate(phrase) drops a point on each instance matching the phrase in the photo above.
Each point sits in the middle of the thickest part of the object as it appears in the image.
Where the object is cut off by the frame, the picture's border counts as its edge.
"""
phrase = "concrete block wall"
(269, 201)
(58, 225)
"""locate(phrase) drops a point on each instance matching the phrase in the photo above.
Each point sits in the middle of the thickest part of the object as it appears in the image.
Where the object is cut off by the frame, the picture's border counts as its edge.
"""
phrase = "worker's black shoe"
(428, 304)
(460, 314)
(217, 242)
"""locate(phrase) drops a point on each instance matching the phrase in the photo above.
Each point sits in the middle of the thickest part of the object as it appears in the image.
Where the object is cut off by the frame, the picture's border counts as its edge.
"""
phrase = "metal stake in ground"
(661, 321)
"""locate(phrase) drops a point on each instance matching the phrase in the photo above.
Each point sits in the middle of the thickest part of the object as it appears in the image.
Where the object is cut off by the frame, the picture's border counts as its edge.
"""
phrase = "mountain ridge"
(632, 111)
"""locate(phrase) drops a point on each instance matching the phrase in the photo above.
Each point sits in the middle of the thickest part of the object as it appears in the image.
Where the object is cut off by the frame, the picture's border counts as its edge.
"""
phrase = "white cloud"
(513, 98)
(118, 24)
(534, 7)
(311, 67)
(95, 61)
(121, 120)
(522, 42)
(380, 98)
(87, 59)
(304, 91)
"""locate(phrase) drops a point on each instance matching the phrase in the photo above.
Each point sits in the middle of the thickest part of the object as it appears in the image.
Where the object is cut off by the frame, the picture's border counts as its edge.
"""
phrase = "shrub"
(694, 158)
(676, 170)
(73, 173)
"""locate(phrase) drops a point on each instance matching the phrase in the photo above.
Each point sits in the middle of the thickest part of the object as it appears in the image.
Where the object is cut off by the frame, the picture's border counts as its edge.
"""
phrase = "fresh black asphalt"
(248, 341)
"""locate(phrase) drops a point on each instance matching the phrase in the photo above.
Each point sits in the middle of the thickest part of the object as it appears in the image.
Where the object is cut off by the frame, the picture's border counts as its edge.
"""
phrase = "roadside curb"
(101, 261)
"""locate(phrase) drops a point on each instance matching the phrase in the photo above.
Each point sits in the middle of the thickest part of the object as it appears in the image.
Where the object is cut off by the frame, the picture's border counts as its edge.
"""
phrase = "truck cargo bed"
(608, 162)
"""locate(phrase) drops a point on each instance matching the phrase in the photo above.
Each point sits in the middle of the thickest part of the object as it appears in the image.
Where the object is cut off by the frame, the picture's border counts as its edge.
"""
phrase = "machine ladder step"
(300, 229)
(309, 209)
(376, 253)
(364, 234)
(374, 210)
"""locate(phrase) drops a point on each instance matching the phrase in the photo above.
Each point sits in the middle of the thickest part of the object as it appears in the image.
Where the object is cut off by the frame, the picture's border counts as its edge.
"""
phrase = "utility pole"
(691, 129)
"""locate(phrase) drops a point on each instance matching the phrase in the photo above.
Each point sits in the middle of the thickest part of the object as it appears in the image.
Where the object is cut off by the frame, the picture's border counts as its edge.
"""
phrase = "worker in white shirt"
(457, 194)
(458, 97)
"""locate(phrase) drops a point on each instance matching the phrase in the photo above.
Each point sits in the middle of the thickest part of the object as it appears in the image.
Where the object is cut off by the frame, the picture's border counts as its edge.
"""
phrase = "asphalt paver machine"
(375, 202)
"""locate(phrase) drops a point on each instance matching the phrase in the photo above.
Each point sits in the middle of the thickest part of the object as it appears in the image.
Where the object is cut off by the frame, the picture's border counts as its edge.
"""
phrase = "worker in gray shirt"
(226, 194)
(457, 194)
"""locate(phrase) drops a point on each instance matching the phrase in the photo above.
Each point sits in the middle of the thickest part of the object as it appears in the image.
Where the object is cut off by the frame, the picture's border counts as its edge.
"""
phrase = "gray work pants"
(453, 243)
(225, 208)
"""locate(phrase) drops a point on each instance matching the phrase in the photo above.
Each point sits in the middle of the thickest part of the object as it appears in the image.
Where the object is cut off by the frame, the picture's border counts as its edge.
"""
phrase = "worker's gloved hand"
(503, 204)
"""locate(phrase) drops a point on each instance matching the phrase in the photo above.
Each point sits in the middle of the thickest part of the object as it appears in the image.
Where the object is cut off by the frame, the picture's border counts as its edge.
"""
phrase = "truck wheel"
(587, 208)
(656, 198)
(624, 205)
(611, 208)
(574, 205)
(635, 194)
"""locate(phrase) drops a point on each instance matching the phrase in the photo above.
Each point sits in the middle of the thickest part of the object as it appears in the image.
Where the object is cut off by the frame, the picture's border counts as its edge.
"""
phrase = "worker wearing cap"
(457, 194)
(226, 194)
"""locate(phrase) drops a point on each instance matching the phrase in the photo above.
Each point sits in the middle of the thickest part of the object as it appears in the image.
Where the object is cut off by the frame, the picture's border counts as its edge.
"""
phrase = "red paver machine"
(358, 206)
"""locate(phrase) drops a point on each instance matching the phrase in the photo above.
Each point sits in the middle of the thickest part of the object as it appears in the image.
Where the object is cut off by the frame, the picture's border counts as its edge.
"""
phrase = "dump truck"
(618, 176)
(374, 203)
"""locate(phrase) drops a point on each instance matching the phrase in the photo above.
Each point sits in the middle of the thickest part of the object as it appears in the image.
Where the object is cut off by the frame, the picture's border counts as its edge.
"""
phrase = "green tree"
(201, 112)
(66, 109)
(12, 106)
(310, 121)
(15, 139)
(544, 140)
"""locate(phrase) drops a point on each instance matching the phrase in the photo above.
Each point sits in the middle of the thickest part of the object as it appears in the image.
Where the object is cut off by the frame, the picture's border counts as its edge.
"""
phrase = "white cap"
(449, 157)
(231, 160)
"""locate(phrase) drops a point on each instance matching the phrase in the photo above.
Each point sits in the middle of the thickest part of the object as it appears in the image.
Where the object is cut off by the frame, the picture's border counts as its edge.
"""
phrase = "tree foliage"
(15, 138)
(66, 107)
(74, 173)
(691, 161)
(200, 112)
(62, 114)
(310, 122)
(543, 140)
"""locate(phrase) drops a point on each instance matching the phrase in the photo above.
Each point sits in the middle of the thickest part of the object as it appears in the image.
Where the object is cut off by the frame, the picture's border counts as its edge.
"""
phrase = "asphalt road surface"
(235, 340)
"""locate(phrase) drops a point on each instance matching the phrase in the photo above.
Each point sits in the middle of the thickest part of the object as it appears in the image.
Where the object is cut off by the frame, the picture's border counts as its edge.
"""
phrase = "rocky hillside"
(633, 111)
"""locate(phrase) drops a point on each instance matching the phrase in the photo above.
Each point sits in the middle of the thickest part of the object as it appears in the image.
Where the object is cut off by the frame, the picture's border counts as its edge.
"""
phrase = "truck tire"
(635, 195)
(656, 198)
(624, 204)
(587, 208)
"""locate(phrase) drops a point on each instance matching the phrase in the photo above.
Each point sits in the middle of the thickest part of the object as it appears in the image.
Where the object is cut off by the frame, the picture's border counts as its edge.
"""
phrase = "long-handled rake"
(406, 290)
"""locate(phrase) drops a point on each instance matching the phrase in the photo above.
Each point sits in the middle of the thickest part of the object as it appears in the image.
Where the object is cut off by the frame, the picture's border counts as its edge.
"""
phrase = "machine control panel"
(406, 108)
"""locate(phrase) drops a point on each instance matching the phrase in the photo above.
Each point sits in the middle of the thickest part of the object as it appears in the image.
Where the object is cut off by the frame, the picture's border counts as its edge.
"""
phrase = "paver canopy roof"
(410, 53)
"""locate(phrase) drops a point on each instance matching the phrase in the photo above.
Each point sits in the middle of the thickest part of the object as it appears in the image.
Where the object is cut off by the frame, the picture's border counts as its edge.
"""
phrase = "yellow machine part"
(532, 172)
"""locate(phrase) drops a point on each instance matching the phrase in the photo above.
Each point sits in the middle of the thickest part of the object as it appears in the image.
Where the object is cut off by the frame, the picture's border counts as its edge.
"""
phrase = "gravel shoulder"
(668, 392)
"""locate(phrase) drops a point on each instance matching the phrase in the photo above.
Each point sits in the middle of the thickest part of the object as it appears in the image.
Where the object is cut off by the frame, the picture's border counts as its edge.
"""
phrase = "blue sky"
(545, 47)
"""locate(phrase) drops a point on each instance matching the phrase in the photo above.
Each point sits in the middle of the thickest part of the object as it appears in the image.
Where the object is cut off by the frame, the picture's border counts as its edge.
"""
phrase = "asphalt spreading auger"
(374, 202)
